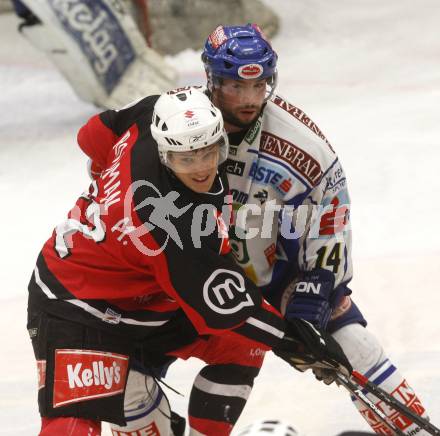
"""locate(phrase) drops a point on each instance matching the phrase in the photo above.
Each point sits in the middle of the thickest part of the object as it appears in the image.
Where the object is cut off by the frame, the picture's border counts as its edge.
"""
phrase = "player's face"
(196, 169)
(240, 101)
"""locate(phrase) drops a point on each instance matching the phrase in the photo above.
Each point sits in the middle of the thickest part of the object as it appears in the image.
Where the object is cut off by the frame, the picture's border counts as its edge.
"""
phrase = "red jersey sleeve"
(102, 131)
(96, 140)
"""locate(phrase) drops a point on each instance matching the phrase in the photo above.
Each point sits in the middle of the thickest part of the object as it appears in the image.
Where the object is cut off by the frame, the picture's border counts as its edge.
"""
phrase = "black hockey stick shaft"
(394, 403)
(356, 392)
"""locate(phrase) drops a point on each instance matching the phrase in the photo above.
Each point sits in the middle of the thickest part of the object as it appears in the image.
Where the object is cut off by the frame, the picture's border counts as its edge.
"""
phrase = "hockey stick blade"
(388, 399)
(360, 396)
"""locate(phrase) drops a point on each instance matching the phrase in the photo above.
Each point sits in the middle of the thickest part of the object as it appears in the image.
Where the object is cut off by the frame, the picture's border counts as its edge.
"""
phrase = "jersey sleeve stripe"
(95, 312)
(43, 285)
(266, 327)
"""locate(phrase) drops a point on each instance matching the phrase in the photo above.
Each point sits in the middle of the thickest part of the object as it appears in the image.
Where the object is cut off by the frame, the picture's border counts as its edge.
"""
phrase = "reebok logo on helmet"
(250, 71)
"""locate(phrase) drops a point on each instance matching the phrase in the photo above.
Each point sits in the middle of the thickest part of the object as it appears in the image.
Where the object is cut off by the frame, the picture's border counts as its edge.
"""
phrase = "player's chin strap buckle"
(358, 385)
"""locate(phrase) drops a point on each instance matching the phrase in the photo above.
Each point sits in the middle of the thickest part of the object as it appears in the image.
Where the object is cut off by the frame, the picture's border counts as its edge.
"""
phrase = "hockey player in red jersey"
(140, 273)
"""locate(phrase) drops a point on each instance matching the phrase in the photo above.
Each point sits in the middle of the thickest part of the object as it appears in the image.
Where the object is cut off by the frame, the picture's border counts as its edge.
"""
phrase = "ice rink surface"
(368, 73)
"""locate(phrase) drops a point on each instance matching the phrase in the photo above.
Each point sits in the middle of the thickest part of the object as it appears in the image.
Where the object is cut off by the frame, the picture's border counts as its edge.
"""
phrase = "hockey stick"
(356, 392)
(395, 404)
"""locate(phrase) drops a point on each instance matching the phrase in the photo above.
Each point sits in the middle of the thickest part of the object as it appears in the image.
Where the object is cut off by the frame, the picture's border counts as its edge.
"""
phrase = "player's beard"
(230, 118)
(221, 101)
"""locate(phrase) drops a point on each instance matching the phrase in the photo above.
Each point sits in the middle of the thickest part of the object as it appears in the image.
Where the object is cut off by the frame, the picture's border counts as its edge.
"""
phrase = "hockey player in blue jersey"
(280, 161)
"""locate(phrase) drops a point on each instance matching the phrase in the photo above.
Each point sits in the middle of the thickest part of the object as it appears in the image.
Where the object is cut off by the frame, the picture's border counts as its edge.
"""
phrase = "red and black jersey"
(139, 246)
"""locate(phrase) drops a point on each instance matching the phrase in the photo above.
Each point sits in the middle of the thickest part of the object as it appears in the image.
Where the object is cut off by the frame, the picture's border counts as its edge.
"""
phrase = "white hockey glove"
(305, 347)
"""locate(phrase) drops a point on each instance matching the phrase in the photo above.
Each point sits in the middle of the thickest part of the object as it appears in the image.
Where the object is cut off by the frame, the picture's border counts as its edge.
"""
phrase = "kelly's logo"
(82, 375)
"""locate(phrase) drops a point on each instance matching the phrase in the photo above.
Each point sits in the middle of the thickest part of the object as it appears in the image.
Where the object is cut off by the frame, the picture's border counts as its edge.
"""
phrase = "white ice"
(368, 73)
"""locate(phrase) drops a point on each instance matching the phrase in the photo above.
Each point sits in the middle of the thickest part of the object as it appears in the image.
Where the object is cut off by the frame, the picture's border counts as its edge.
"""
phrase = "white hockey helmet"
(185, 122)
(268, 427)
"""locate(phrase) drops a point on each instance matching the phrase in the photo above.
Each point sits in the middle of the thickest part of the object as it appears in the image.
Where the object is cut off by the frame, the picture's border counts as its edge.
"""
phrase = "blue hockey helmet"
(239, 53)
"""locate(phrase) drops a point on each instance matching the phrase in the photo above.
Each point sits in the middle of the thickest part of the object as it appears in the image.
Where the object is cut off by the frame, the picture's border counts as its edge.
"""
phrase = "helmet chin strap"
(272, 86)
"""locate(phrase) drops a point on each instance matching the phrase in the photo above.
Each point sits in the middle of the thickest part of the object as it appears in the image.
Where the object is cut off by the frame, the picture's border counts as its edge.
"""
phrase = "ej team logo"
(224, 292)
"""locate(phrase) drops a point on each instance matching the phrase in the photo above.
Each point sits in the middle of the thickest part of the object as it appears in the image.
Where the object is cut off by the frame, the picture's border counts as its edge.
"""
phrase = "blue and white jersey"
(290, 200)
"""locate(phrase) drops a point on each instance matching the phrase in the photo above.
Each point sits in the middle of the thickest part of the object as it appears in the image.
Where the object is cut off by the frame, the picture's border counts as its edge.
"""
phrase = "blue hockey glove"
(314, 298)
